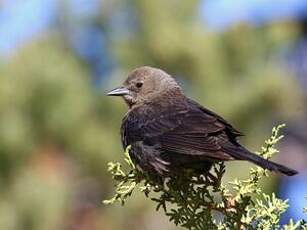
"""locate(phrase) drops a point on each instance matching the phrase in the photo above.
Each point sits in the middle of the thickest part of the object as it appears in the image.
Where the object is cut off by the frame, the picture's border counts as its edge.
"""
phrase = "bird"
(168, 132)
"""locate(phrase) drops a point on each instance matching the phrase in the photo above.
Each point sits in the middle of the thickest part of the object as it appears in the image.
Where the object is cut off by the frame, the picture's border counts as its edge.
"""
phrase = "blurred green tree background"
(58, 130)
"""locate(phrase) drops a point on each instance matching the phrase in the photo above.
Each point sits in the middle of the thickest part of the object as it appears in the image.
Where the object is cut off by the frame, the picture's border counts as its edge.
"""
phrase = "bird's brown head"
(145, 84)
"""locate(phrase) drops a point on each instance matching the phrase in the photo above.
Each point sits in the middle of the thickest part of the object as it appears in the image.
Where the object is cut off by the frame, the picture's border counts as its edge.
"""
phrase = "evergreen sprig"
(199, 202)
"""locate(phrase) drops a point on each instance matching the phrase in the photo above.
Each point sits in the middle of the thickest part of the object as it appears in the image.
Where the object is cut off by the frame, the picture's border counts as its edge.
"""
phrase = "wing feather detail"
(188, 129)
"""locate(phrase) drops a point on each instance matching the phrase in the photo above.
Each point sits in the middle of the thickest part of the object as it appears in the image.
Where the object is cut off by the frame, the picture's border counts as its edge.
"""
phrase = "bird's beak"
(119, 91)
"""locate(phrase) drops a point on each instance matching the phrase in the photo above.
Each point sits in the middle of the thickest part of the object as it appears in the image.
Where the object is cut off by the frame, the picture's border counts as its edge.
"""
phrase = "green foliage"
(200, 202)
(51, 135)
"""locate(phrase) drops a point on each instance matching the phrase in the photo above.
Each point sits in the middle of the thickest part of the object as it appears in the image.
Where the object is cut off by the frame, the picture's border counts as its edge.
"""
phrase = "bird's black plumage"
(168, 131)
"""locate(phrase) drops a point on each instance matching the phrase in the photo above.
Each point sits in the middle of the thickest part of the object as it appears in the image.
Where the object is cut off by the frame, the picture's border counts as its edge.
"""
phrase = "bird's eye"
(139, 84)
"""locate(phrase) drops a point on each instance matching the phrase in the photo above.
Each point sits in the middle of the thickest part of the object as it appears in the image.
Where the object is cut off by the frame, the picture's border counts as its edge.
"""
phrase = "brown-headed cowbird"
(168, 131)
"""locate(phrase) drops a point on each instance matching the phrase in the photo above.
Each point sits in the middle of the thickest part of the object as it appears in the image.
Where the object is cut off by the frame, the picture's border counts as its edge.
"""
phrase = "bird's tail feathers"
(243, 154)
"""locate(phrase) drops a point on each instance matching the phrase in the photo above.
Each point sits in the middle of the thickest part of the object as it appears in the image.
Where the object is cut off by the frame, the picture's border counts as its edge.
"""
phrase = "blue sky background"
(220, 14)
(21, 21)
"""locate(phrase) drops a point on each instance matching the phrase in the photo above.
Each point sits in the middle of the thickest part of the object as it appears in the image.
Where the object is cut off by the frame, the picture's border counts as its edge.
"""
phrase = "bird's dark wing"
(201, 133)
(229, 128)
(189, 129)
(150, 121)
